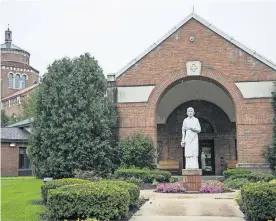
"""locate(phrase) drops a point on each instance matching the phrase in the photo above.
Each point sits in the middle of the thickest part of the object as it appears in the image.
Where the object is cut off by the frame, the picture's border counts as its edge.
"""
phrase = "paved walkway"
(188, 207)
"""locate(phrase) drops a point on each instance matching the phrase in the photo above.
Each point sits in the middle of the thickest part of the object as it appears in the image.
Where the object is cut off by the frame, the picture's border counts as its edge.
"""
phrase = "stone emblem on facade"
(193, 68)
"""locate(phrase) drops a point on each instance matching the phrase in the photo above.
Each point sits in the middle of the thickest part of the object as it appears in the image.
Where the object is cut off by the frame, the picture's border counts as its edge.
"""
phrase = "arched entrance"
(216, 141)
(215, 106)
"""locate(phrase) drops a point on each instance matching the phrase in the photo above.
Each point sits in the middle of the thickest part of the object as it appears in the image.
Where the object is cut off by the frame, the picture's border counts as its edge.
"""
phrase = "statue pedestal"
(192, 179)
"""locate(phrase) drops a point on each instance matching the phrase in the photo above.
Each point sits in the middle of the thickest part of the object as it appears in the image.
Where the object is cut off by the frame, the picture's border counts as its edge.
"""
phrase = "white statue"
(190, 130)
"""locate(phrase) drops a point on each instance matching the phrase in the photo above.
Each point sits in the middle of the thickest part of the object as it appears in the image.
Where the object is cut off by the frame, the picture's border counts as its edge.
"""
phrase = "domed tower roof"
(8, 46)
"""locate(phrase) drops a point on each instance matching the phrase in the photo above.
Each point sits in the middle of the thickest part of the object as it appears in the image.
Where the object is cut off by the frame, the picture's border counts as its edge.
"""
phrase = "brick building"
(18, 78)
(14, 141)
(197, 65)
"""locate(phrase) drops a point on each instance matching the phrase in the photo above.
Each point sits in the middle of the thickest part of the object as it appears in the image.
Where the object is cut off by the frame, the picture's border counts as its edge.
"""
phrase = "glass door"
(206, 157)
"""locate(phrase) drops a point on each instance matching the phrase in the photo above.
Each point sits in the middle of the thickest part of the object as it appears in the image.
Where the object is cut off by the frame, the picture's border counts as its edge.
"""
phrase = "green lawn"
(17, 196)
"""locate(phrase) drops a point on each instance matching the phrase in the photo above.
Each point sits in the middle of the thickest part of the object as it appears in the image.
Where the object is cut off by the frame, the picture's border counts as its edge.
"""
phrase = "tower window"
(10, 80)
(17, 81)
(24, 79)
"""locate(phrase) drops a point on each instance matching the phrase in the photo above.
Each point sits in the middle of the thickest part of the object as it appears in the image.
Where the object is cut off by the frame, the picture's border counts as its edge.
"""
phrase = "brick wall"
(223, 63)
(5, 91)
(15, 56)
(9, 159)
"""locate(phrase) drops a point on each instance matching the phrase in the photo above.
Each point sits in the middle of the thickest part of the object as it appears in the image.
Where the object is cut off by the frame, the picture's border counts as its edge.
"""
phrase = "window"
(18, 101)
(10, 81)
(23, 81)
(24, 162)
(17, 81)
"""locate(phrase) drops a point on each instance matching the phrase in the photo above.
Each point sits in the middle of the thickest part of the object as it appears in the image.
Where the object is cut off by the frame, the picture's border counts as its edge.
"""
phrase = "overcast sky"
(117, 31)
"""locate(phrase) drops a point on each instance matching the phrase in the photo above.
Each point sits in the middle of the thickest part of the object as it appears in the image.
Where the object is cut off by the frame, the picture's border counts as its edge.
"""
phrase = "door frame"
(213, 159)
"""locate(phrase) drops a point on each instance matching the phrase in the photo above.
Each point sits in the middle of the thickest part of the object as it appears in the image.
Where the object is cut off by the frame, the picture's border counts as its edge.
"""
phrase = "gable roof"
(14, 134)
(22, 123)
(208, 25)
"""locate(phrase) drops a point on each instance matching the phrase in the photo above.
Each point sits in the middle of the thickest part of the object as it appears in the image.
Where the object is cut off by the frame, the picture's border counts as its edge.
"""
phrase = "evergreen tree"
(4, 118)
(72, 120)
(29, 104)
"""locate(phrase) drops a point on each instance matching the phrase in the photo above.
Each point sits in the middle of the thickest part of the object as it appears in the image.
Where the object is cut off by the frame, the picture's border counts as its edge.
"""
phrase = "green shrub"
(238, 199)
(259, 201)
(255, 177)
(158, 175)
(137, 150)
(58, 183)
(133, 189)
(137, 181)
(230, 172)
(93, 199)
(235, 183)
(131, 172)
(144, 174)
(172, 180)
(90, 175)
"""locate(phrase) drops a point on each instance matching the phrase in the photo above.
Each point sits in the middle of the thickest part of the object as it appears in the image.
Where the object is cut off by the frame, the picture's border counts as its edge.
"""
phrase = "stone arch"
(207, 74)
(219, 79)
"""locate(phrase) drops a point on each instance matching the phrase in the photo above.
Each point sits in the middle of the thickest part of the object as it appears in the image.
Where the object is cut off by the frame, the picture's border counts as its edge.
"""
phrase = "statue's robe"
(191, 141)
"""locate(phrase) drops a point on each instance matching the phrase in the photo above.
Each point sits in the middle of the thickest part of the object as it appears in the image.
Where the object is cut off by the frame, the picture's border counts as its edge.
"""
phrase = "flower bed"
(170, 188)
(211, 186)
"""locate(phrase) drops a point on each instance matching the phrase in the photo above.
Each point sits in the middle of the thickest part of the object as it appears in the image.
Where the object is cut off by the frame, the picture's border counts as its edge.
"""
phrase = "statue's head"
(190, 112)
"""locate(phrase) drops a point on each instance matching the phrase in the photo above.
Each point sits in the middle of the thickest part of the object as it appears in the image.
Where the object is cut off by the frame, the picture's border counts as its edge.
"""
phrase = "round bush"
(137, 150)
(133, 190)
(58, 183)
(94, 199)
(259, 201)
(230, 172)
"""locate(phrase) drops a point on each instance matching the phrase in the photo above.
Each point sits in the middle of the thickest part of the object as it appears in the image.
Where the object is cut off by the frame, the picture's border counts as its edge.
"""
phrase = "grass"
(18, 193)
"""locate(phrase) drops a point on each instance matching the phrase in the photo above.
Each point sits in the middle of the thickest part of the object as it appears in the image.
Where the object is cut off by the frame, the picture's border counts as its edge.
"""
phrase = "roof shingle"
(14, 133)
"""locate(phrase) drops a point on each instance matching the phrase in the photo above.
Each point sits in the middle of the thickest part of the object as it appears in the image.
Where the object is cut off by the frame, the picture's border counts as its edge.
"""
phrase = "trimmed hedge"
(232, 183)
(259, 201)
(254, 177)
(133, 190)
(230, 172)
(148, 176)
(93, 199)
(58, 183)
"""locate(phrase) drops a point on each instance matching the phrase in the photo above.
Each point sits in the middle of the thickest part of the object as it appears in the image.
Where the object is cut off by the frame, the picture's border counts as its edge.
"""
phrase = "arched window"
(17, 81)
(23, 81)
(10, 81)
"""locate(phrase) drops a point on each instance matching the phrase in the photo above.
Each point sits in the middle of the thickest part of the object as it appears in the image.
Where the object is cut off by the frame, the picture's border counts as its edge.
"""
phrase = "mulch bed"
(133, 210)
(147, 186)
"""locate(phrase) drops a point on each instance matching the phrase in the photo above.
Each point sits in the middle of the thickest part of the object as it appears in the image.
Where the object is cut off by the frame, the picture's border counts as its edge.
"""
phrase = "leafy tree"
(137, 150)
(270, 152)
(72, 121)
(29, 105)
(4, 118)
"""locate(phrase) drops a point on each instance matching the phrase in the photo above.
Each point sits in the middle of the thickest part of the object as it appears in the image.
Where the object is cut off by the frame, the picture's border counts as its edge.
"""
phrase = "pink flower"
(170, 188)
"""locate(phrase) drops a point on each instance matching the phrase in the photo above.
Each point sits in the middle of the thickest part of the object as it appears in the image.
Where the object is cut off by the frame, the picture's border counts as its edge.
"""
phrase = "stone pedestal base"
(192, 179)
